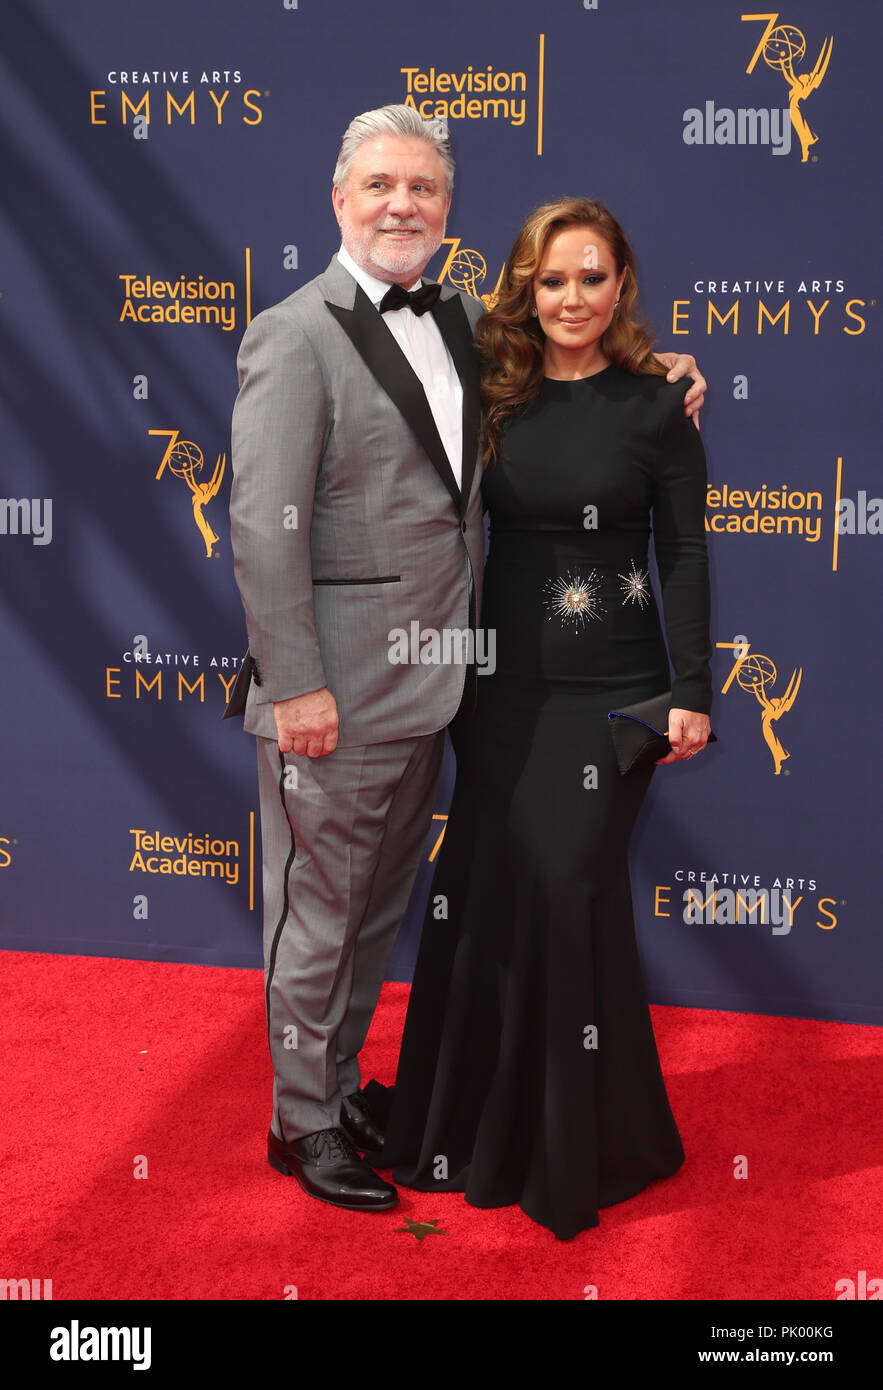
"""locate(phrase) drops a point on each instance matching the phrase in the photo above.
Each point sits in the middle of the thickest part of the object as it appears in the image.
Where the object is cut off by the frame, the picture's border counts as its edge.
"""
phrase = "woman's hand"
(682, 364)
(687, 733)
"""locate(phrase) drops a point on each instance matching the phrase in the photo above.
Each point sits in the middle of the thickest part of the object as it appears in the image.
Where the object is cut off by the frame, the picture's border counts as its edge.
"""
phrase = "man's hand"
(307, 723)
(682, 364)
(687, 733)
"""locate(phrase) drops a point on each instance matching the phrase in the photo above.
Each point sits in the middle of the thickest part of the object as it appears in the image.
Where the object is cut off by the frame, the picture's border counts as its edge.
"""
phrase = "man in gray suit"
(355, 513)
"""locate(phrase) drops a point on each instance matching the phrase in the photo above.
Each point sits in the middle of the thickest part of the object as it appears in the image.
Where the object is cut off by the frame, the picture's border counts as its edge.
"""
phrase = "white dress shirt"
(420, 340)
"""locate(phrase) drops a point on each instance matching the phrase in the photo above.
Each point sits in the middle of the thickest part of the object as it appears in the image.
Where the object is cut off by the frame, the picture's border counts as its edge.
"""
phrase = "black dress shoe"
(328, 1167)
(360, 1120)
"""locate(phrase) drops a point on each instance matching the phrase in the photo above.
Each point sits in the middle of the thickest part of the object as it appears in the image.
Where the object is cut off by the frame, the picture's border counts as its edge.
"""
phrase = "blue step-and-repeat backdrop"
(167, 175)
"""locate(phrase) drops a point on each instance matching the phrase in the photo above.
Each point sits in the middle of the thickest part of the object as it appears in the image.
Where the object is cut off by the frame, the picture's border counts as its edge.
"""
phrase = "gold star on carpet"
(418, 1229)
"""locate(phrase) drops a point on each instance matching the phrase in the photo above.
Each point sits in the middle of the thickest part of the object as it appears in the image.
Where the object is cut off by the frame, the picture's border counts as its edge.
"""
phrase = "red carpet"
(106, 1060)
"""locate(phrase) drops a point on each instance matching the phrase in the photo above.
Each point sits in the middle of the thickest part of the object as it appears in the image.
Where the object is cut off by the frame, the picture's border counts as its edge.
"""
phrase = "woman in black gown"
(528, 1071)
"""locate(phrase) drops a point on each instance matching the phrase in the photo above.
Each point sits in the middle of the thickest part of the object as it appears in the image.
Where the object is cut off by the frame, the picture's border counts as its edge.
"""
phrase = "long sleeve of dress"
(682, 557)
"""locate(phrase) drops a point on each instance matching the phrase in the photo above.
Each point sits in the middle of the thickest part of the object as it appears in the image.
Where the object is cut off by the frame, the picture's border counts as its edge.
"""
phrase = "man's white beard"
(369, 250)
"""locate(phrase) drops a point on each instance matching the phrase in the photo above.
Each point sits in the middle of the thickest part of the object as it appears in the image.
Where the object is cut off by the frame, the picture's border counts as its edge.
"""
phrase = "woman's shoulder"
(654, 389)
(656, 402)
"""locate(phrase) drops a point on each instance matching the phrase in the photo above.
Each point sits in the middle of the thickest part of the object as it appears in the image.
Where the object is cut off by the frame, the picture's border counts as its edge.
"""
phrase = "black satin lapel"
(456, 330)
(390, 367)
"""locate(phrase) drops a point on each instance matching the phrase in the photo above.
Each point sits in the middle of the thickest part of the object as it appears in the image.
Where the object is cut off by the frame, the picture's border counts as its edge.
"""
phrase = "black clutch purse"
(639, 732)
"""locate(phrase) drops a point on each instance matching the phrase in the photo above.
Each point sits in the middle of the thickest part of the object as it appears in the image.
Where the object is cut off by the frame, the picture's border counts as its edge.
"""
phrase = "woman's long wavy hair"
(511, 344)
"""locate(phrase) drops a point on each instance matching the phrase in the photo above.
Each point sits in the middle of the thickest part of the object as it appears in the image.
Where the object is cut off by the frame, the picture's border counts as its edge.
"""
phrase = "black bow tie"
(418, 300)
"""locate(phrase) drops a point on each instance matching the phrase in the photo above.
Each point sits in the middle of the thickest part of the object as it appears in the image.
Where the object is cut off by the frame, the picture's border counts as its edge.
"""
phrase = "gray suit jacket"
(330, 419)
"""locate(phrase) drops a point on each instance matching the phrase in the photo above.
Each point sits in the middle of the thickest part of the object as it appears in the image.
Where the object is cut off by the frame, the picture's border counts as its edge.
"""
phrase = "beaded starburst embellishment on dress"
(573, 599)
(636, 586)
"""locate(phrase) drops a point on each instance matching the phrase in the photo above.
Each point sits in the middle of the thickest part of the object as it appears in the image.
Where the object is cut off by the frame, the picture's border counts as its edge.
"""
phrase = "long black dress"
(528, 1071)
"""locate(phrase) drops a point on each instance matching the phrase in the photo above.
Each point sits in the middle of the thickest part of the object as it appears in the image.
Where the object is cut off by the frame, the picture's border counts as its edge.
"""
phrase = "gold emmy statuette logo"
(185, 460)
(756, 674)
(782, 46)
(466, 270)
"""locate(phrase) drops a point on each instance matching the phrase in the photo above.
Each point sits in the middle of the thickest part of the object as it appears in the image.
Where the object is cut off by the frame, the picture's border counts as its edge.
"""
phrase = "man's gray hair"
(402, 121)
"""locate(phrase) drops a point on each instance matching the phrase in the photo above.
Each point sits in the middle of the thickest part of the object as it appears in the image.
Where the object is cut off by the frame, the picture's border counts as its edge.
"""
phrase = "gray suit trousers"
(342, 839)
